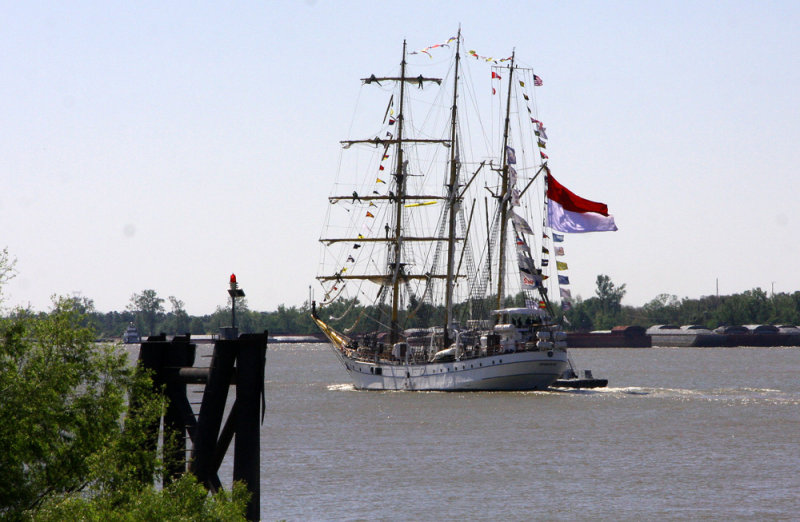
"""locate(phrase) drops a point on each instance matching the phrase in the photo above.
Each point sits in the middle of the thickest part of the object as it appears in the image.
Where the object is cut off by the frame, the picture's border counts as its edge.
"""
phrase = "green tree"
(71, 446)
(148, 305)
(610, 297)
(180, 317)
(59, 399)
(663, 309)
(6, 270)
(787, 308)
(581, 316)
(64, 451)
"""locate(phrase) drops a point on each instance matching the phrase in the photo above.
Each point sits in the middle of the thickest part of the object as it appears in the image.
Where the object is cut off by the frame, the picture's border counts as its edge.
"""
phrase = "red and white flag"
(568, 212)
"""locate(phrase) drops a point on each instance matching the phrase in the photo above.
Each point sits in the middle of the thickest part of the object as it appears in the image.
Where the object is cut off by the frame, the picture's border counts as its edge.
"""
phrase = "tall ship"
(432, 276)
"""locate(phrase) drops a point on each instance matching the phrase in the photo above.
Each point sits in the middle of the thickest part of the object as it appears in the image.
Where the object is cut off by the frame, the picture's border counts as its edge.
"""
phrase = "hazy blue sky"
(165, 145)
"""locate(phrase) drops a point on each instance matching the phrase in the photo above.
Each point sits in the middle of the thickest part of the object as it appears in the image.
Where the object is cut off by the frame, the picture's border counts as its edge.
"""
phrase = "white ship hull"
(529, 370)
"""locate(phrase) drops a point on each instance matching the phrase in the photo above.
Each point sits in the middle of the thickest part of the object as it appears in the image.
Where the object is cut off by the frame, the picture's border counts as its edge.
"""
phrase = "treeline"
(602, 311)
(146, 311)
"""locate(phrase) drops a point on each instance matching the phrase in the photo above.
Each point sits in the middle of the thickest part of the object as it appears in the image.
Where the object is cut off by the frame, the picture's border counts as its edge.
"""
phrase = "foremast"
(504, 196)
(395, 273)
(395, 266)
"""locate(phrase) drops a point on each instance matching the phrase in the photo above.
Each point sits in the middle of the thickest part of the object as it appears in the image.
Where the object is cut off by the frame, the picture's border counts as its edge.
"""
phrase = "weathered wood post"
(178, 353)
(212, 410)
(249, 387)
(165, 359)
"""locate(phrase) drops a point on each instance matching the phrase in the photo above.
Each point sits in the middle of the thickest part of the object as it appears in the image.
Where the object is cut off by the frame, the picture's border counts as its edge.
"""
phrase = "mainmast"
(399, 175)
(453, 204)
(504, 197)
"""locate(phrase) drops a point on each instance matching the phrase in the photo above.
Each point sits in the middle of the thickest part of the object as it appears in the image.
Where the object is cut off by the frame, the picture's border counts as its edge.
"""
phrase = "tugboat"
(571, 379)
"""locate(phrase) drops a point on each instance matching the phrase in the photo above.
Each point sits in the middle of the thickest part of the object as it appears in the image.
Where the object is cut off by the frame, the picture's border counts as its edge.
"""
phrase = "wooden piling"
(238, 361)
(249, 388)
(177, 354)
(212, 411)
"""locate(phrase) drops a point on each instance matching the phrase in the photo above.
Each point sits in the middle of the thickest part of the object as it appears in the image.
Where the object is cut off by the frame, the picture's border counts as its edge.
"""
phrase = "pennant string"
(434, 46)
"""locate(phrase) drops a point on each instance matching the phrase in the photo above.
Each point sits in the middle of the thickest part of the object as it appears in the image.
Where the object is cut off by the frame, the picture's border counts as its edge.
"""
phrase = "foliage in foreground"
(65, 452)
(184, 499)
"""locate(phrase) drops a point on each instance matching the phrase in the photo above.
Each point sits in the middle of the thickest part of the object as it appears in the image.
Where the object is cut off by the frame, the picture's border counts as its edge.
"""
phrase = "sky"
(166, 145)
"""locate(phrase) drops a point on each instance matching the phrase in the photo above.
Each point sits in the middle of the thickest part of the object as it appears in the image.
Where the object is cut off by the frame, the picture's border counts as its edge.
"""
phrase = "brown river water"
(680, 433)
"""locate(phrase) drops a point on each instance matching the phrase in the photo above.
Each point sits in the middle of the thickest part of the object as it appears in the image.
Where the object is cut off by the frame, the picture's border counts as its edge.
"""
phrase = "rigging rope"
(347, 311)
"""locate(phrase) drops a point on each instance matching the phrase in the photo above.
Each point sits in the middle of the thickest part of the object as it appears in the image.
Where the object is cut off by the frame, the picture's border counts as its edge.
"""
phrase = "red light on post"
(234, 289)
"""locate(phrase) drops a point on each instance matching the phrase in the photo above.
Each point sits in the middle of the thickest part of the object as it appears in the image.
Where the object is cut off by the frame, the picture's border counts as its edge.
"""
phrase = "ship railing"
(421, 355)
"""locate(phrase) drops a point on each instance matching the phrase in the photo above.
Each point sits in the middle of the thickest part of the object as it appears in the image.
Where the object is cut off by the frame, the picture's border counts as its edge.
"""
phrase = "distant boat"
(726, 335)
(131, 335)
(684, 336)
(617, 337)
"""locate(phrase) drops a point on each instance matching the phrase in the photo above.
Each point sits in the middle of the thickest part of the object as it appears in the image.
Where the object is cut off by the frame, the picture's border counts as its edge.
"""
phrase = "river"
(680, 433)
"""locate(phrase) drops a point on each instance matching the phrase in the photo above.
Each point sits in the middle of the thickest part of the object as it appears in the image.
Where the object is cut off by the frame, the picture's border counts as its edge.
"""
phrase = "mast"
(395, 274)
(399, 175)
(453, 204)
(504, 196)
